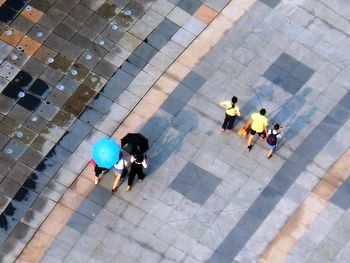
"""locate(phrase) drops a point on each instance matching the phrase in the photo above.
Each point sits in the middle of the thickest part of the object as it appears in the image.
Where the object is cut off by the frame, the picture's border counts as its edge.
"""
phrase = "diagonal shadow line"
(279, 185)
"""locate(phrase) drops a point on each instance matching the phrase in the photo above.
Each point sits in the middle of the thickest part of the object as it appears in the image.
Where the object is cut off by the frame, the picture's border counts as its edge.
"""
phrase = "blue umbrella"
(106, 153)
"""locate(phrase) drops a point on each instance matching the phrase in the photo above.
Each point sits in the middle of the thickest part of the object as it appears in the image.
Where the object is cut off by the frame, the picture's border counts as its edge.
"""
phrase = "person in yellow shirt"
(231, 112)
(259, 125)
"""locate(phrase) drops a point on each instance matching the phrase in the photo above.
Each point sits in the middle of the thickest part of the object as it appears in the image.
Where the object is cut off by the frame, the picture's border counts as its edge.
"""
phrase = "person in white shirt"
(120, 171)
(273, 136)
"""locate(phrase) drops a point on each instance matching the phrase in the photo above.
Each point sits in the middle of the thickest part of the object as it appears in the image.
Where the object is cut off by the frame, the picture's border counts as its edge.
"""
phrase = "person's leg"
(140, 174)
(98, 171)
(269, 154)
(224, 124)
(262, 135)
(117, 181)
(231, 120)
(250, 139)
(250, 142)
(131, 176)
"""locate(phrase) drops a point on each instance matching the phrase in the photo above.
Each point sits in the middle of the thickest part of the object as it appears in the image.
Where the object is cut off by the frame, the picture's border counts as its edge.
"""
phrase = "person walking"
(98, 170)
(120, 171)
(138, 162)
(231, 112)
(258, 125)
(272, 139)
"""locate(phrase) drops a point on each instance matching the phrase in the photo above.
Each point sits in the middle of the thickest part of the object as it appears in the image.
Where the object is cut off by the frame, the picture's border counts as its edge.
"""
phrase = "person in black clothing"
(138, 162)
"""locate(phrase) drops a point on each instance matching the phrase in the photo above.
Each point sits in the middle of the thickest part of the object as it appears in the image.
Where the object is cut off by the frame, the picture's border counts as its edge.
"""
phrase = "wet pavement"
(75, 71)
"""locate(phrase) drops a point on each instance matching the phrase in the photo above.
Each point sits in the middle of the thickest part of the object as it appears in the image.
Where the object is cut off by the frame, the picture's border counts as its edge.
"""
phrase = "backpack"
(272, 139)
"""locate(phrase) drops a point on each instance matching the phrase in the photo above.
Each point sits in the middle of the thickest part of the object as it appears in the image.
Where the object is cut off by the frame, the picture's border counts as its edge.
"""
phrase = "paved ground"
(76, 71)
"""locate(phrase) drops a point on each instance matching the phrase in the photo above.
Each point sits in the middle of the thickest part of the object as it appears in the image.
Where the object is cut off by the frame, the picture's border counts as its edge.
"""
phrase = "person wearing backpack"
(272, 139)
(231, 112)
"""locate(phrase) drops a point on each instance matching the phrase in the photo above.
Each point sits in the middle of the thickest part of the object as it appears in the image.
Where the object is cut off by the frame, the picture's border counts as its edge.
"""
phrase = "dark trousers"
(98, 170)
(228, 122)
(135, 169)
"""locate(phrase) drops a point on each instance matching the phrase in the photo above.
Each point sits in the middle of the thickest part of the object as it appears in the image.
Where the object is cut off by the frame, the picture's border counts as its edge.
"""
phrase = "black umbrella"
(134, 143)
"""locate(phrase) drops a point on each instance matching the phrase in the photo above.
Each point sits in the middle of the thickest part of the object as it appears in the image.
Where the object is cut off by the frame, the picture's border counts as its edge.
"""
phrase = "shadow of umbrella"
(168, 135)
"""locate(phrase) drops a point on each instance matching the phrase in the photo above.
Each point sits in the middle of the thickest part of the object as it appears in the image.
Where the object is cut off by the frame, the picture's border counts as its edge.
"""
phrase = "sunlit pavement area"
(73, 72)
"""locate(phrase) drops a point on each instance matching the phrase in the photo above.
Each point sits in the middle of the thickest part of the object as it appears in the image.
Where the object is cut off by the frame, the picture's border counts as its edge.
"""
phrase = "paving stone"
(302, 72)
(71, 51)
(172, 105)
(105, 69)
(101, 104)
(47, 111)
(145, 52)
(178, 16)
(183, 37)
(124, 21)
(51, 76)
(157, 40)
(64, 31)
(19, 113)
(197, 189)
(80, 40)
(81, 72)
(82, 14)
(140, 30)
(152, 18)
(107, 10)
(19, 172)
(17, 148)
(141, 84)
(70, 141)
(43, 205)
(341, 197)
(172, 50)
(55, 42)
(279, 77)
(129, 42)
(37, 125)
(271, 3)
(193, 81)
(182, 93)
(13, 247)
(90, 116)
(36, 181)
(136, 61)
(47, 22)
(54, 190)
(79, 222)
(59, 154)
(189, 6)
(163, 7)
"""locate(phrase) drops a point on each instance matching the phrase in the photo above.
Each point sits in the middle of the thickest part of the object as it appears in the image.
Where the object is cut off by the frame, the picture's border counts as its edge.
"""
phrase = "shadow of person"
(262, 95)
(288, 116)
(166, 135)
(294, 128)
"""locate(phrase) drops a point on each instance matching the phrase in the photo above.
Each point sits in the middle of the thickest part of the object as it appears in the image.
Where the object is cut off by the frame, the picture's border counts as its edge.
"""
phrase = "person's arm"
(266, 127)
(239, 113)
(223, 104)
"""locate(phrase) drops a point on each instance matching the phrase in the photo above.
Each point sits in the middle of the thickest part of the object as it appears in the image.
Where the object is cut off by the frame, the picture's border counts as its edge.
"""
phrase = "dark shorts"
(261, 134)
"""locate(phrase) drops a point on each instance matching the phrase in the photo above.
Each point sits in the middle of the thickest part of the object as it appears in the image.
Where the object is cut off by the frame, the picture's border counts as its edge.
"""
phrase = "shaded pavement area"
(73, 72)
